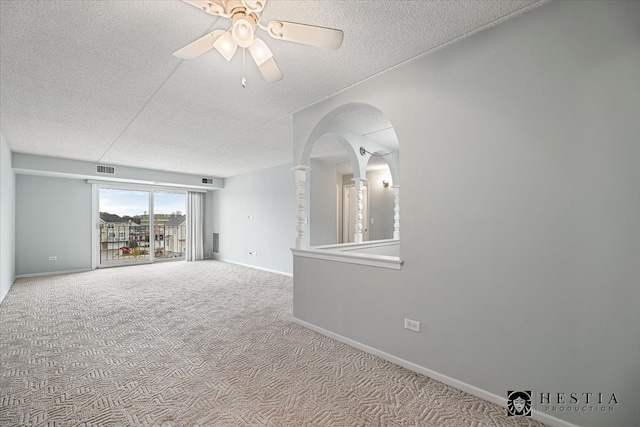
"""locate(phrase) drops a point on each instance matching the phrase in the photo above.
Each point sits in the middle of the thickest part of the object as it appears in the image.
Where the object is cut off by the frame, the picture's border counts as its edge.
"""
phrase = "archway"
(364, 132)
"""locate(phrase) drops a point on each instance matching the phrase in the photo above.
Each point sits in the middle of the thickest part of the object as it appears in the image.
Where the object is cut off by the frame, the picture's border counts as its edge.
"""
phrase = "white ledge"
(347, 253)
(355, 246)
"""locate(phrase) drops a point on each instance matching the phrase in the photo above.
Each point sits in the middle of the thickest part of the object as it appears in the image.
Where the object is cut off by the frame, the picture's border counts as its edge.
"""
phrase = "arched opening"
(331, 159)
(345, 160)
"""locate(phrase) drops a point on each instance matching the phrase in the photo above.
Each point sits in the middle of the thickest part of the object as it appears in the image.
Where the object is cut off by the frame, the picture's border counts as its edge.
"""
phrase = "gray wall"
(269, 196)
(322, 203)
(79, 171)
(520, 211)
(7, 220)
(53, 218)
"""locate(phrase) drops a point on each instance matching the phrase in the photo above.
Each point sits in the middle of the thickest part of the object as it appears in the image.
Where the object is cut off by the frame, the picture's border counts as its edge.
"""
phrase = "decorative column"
(301, 216)
(396, 212)
(357, 238)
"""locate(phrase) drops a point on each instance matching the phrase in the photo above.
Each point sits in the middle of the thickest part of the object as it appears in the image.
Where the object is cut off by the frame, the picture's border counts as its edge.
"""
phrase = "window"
(136, 218)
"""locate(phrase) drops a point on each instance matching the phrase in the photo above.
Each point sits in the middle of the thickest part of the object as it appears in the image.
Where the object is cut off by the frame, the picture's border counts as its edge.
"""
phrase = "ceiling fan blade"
(212, 7)
(263, 58)
(270, 70)
(254, 5)
(198, 47)
(306, 34)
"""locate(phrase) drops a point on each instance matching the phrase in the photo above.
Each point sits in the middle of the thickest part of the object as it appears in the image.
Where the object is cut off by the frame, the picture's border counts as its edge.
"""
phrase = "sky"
(131, 203)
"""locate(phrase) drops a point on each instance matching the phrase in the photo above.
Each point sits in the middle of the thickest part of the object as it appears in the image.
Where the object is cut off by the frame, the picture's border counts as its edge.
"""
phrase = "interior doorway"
(349, 213)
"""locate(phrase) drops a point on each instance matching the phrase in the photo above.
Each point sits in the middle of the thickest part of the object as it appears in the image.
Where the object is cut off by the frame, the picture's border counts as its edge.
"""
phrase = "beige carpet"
(199, 344)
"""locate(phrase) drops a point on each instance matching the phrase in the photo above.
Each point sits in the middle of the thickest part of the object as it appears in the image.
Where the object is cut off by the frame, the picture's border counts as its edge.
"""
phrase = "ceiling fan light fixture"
(226, 45)
(244, 16)
(260, 51)
(243, 31)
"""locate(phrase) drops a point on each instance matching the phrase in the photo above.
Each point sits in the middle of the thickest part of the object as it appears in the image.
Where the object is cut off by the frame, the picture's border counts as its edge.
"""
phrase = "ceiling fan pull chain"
(244, 80)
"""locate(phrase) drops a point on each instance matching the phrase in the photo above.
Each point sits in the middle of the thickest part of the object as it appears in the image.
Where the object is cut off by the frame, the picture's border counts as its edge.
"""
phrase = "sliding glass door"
(169, 225)
(123, 236)
(140, 226)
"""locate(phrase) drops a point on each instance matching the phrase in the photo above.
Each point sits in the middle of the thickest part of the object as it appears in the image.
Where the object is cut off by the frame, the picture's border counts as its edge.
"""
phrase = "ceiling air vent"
(207, 180)
(109, 170)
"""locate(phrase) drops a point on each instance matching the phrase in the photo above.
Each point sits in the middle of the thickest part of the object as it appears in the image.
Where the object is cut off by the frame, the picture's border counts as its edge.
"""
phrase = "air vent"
(207, 180)
(216, 243)
(109, 170)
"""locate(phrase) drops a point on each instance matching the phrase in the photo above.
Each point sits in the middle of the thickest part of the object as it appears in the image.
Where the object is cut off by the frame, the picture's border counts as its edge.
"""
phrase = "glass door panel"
(124, 226)
(169, 225)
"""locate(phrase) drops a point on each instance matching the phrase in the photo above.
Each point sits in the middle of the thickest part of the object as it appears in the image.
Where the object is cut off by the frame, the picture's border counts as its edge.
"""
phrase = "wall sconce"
(385, 180)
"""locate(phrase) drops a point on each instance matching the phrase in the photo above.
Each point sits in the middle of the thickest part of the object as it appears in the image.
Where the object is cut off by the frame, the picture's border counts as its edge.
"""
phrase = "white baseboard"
(253, 266)
(2, 296)
(52, 273)
(468, 388)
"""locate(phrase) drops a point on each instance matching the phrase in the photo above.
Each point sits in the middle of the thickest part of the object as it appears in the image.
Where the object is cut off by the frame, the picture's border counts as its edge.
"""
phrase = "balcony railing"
(122, 243)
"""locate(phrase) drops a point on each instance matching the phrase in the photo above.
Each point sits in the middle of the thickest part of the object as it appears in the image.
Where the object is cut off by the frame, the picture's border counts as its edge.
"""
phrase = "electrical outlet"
(412, 325)
(253, 253)
(53, 258)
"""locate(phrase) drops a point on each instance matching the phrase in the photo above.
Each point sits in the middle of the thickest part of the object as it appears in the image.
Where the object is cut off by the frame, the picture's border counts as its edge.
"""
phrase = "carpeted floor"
(199, 344)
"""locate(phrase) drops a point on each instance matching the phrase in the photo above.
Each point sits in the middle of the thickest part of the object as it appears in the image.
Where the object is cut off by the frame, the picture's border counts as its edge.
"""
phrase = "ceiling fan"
(244, 16)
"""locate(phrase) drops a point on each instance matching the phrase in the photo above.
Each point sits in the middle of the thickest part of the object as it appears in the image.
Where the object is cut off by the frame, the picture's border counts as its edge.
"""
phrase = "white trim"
(52, 273)
(130, 263)
(282, 273)
(152, 225)
(468, 388)
(129, 185)
(342, 253)
(353, 245)
(95, 226)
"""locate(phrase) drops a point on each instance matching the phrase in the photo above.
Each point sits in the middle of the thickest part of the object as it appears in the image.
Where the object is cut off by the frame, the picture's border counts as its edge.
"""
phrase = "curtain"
(195, 248)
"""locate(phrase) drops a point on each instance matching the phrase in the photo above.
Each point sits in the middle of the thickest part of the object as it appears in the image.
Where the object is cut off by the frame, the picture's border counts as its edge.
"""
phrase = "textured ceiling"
(363, 120)
(96, 81)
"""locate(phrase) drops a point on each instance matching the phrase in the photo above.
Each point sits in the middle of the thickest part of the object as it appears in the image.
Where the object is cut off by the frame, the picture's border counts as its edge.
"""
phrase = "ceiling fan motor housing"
(231, 6)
